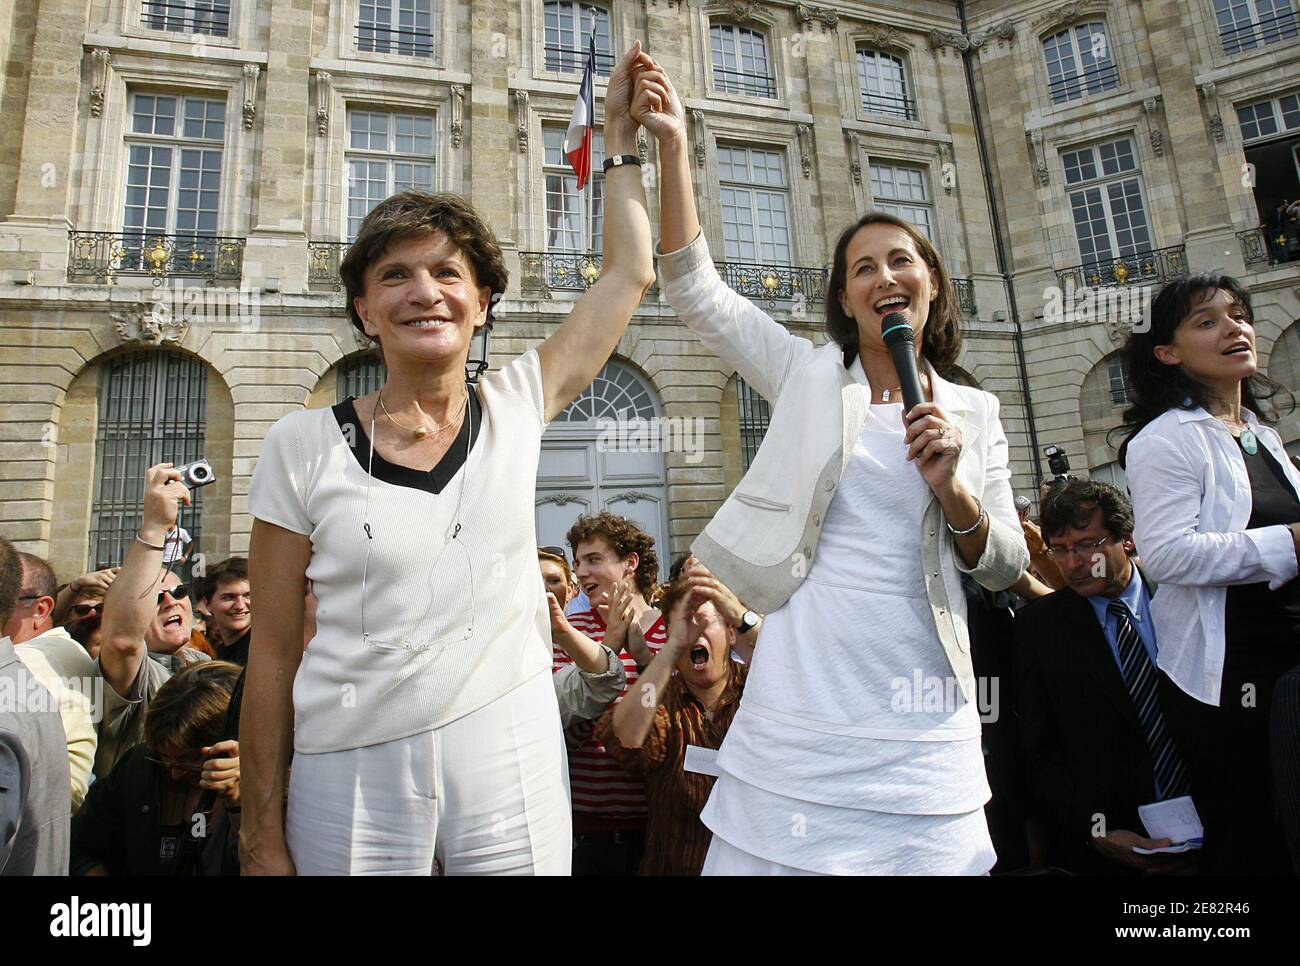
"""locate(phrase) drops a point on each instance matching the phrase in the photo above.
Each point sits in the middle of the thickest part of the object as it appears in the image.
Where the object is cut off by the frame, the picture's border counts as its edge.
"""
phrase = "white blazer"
(1191, 503)
(762, 541)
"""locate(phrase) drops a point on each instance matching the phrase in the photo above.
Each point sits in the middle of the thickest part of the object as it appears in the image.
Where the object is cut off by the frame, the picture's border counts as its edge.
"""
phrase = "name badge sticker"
(702, 761)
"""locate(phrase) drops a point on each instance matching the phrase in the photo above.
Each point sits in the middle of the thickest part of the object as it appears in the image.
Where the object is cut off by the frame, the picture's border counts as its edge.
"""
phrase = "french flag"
(577, 140)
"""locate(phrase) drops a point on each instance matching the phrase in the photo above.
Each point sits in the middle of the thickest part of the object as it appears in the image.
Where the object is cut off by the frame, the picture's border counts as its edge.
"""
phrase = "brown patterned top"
(676, 839)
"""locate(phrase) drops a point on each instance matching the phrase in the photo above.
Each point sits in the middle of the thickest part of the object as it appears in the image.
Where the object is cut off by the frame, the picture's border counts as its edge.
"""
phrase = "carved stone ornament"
(1040, 158)
(1069, 12)
(949, 38)
(362, 340)
(945, 160)
(99, 61)
(697, 125)
(1117, 329)
(742, 10)
(457, 112)
(149, 323)
(251, 72)
(1209, 91)
(855, 156)
(1151, 106)
(807, 15)
(632, 496)
(883, 38)
(805, 161)
(521, 120)
(324, 93)
(560, 499)
(1003, 31)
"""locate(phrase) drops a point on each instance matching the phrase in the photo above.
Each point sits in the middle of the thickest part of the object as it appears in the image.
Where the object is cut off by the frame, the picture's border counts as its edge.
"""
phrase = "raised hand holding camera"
(163, 494)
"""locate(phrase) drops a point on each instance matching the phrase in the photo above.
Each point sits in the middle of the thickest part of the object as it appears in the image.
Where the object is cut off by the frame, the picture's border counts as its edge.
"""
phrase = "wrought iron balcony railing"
(744, 82)
(965, 297)
(1283, 25)
(1092, 80)
(1263, 246)
(103, 255)
(547, 272)
(380, 38)
(1151, 267)
(889, 105)
(323, 261)
(574, 59)
(210, 17)
(775, 283)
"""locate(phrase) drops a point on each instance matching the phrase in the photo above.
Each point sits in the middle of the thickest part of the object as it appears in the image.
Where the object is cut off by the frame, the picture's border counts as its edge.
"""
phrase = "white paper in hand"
(1175, 819)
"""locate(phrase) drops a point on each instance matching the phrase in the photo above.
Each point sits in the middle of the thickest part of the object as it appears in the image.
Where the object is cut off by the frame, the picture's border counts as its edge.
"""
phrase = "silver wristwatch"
(748, 622)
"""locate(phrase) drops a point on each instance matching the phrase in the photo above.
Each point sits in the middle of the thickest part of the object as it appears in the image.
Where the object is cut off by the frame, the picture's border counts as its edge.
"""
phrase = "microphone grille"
(894, 327)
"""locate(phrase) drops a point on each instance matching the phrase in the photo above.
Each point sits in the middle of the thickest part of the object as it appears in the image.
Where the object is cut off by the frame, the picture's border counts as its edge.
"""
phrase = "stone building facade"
(183, 177)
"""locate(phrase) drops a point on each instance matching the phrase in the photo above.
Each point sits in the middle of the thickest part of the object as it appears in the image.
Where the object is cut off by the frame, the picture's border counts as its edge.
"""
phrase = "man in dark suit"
(1095, 740)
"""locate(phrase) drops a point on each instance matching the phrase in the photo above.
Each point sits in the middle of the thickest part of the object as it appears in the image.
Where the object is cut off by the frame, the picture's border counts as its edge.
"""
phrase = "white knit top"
(452, 623)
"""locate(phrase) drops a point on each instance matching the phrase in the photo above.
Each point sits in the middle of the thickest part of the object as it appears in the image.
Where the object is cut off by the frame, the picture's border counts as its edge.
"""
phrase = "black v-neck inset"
(434, 481)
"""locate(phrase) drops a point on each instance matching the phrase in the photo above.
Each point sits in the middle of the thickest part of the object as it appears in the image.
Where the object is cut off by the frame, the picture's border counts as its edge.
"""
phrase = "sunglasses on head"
(554, 552)
(179, 592)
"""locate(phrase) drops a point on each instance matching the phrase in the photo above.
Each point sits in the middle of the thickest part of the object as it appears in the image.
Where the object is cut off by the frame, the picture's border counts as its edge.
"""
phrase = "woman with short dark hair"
(1217, 508)
(422, 718)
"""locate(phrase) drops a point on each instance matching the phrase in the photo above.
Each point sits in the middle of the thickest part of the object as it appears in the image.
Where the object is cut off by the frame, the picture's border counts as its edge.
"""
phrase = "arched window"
(1079, 62)
(754, 414)
(568, 28)
(740, 61)
(1284, 360)
(617, 392)
(361, 375)
(152, 409)
(882, 85)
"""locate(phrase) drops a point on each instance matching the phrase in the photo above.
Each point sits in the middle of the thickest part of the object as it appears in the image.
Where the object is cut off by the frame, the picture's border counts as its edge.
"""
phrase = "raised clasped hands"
(656, 106)
(619, 92)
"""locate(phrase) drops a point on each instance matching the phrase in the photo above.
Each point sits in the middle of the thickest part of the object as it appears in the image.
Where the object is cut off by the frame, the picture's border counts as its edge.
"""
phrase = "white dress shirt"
(1191, 502)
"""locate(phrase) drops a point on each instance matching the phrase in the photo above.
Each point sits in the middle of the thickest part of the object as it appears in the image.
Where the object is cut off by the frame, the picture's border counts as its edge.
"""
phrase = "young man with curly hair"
(616, 565)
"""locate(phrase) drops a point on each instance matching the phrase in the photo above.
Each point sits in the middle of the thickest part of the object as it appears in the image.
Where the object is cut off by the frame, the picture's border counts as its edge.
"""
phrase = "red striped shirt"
(605, 797)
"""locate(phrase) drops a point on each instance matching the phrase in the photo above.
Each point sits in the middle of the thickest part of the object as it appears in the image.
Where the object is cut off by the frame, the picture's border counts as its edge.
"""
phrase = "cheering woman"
(1218, 527)
(422, 717)
(857, 745)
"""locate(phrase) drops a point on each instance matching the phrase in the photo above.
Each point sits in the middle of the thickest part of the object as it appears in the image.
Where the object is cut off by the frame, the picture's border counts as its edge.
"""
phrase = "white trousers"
(483, 795)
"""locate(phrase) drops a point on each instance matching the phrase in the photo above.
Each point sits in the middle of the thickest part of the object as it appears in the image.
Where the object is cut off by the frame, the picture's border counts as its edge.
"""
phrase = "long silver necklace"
(449, 536)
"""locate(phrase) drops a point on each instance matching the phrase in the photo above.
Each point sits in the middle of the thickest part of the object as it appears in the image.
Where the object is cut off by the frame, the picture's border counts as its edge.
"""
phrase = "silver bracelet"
(143, 542)
(978, 523)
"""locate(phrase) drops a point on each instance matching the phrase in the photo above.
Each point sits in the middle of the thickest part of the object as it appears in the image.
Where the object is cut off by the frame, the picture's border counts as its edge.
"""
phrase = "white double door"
(579, 476)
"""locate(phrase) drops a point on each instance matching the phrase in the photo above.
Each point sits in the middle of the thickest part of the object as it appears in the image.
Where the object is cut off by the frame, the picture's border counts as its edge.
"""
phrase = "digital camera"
(198, 473)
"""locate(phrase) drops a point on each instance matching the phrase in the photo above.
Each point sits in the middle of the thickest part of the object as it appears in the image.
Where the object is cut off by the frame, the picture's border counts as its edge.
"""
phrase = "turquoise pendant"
(1249, 441)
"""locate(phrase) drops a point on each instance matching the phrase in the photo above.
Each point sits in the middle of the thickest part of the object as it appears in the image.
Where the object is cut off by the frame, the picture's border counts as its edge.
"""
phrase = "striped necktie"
(1140, 676)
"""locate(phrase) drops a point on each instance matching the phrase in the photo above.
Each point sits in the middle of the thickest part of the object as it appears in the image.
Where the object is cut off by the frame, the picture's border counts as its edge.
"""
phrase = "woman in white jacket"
(857, 745)
(1218, 526)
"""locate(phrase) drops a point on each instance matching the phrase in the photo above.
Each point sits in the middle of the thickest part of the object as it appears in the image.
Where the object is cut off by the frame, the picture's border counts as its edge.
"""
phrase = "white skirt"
(483, 795)
(759, 832)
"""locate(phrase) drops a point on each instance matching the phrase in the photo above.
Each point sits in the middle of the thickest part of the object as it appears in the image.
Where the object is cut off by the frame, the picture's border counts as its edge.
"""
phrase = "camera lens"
(200, 474)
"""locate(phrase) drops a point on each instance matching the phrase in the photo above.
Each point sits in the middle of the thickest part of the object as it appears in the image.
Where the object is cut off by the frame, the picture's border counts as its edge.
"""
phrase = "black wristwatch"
(619, 159)
(748, 622)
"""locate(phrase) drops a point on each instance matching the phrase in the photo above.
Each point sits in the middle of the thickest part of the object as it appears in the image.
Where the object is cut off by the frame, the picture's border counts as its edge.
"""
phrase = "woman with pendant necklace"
(1217, 507)
(422, 718)
(856, 748)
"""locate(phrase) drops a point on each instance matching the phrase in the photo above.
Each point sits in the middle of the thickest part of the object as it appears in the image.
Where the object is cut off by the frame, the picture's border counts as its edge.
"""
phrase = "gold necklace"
(421, 431)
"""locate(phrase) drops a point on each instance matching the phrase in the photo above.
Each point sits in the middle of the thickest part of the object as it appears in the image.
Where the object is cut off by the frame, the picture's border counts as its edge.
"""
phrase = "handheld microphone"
(900, 340)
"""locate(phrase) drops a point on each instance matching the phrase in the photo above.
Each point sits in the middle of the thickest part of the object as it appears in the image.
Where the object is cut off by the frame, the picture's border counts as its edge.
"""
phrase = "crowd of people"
(871, 661)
